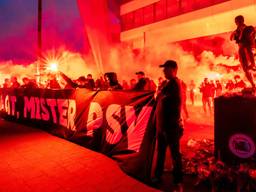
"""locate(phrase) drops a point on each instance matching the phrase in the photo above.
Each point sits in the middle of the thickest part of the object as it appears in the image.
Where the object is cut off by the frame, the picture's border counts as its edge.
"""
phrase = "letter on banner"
(63, 111)
(1, 102)
(114, 134)
(13, 101)
(136, 126)
(45, 113)
(52, 103)
(37, 101)
(95, 118)
(7, 105)
(29, 106)
(71, 115)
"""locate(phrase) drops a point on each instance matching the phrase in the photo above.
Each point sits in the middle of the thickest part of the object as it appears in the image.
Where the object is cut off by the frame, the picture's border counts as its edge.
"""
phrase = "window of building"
(138, 17)
(160, 10)
(148, 13)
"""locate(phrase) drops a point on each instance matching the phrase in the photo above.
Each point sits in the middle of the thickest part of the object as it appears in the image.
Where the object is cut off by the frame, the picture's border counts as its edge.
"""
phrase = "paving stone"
(35, 161)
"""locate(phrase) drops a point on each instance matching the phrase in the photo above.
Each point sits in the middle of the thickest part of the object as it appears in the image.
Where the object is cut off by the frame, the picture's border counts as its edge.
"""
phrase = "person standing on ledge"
(245, 38)
(168, 123)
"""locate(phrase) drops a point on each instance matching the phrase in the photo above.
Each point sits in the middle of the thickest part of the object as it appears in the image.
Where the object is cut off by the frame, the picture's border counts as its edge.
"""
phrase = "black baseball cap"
(170, 63)
(140, 73)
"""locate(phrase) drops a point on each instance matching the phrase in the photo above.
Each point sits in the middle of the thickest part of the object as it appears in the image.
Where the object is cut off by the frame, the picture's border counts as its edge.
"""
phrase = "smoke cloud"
(126, 61)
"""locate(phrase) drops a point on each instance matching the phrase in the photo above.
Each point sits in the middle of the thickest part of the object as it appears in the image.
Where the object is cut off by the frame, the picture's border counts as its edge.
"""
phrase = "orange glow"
(214, 76)
(125, 64)
(53, 67)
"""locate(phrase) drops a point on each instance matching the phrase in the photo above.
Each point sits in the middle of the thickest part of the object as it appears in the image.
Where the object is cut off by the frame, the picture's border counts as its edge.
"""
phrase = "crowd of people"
(108, 81)
(171, 101)
(171, 95)
(209, 89)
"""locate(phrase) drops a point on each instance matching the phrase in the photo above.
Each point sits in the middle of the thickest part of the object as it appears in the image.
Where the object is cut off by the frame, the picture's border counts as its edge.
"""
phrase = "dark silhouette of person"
(239, 83)
(112, 81)
(125, 85)
(14, 82)
(101, 83)
(192, 87)
(230, 85)
(132, 84)
(141, 83)
(245, 38)
(218, 88)
(28, 84)
(82, 82)
(168, 122)
(7, 83)
(160, 83)
(213, 92)
(90, 82)
(206, 90)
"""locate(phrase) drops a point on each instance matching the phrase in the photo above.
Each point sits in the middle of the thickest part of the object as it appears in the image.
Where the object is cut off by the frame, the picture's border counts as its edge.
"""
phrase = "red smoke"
(196, 57)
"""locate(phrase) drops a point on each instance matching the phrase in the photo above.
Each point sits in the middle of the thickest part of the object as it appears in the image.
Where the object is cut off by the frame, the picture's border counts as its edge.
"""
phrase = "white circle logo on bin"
(241, 145)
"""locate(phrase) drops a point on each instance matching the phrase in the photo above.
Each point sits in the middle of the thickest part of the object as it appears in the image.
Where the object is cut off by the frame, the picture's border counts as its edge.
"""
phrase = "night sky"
(62, 27)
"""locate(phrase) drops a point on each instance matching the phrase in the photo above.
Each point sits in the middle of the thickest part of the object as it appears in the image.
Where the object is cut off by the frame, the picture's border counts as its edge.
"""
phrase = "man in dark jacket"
(245, 38)
(90, 82)
(112, 81)
(14, 82)
(168, 122)
(142, 82)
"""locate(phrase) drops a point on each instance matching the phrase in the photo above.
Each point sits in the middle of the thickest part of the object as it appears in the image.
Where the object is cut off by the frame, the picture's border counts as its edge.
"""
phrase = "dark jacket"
(246, 36)
(140, 85)
(168, 109)
(90, 84)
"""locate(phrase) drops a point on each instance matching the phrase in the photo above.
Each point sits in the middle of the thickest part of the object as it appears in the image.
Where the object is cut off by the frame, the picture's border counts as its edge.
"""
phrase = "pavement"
(33, 160)
(198, 126)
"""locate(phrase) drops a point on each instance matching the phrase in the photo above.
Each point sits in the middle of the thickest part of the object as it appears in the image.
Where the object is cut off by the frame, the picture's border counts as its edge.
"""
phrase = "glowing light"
(214, 76)
(53, 67)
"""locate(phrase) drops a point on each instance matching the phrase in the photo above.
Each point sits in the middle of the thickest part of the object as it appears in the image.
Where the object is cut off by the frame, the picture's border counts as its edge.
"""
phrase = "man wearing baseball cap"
(168, 123)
